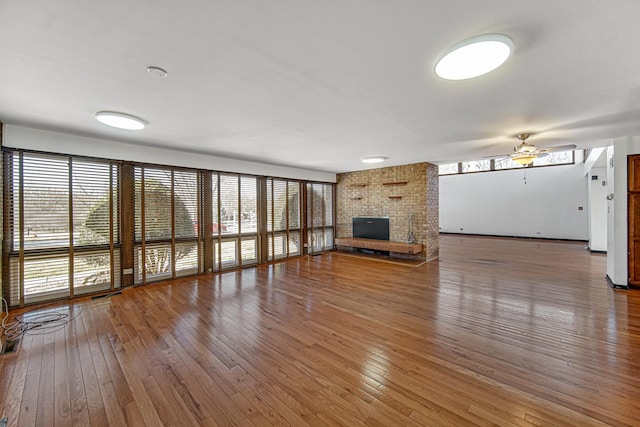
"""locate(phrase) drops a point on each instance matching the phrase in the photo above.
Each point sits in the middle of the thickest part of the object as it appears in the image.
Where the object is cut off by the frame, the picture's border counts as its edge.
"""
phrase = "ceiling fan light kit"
(474, 57)
(525, 159)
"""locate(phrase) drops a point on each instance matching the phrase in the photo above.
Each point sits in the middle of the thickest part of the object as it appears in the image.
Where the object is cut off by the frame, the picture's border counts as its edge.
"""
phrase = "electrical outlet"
(127, 271)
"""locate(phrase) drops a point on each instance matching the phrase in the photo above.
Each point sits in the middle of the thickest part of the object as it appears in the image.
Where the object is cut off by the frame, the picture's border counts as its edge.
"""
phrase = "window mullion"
(111, 246)
(173, 225)
(21, 227)
(143, 233)
(70, 212)
(239, 222)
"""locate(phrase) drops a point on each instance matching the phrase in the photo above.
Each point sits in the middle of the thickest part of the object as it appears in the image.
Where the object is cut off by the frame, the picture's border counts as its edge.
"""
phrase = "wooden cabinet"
(380, 245)
(633, 218)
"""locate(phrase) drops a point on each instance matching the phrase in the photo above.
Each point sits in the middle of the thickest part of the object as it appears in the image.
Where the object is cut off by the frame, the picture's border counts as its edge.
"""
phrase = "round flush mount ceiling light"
(474, 57)
(374, 159)
(157, 71)
(120, 120)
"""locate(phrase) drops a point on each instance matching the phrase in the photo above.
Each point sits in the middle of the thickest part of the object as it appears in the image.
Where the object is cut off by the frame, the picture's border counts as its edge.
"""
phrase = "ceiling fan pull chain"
(525, 176)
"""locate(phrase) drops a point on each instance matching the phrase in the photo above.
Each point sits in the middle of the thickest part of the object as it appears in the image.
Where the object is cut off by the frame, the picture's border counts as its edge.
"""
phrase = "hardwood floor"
(497, 332)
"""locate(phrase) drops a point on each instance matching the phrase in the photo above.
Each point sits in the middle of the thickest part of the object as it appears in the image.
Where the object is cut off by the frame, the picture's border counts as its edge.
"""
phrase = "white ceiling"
(322, 84)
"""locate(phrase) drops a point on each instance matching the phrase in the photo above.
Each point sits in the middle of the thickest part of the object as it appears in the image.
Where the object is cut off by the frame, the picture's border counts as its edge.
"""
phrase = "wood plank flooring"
(502, 332)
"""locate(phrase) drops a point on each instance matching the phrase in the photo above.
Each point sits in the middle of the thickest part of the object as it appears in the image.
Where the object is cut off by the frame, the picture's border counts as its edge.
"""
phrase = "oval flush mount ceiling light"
(474, 57)
(374, 159)
(120, 120)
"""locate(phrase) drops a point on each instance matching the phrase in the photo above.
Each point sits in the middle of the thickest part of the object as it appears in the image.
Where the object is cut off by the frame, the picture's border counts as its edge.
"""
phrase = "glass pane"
(46, 275)
(476, 166)
(91, 272)
(328, 204)
(249, 250)
(294, 243)
(448, 169)
(277, 246)
(14, 290)
(229, 254)
(248, 204)
(157, 262)
(117, 282)
(294, 205)
(186, 258)
(115, 184)
(46, 202)
(92, 210)
(270, 204)
(328, 238)
(137, 265)
(316, 205)
(280, 216)
(229, 204)
(216, 255)
(316, 241)
(215, 193)
(157, 204)
(185, 189)
(506, 163)
(559, 158)
(14, 161)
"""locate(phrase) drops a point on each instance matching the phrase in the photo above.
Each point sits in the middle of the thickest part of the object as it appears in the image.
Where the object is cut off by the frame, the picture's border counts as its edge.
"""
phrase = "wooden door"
(633, 205)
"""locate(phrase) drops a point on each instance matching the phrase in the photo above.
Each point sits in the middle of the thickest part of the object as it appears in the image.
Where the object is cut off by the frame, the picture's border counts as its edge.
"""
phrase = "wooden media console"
(380, 245)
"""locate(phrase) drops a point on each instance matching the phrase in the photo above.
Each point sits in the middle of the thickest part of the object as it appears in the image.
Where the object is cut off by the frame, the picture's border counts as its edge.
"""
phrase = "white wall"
(598, 209)
(612, 228)
(56, 142)
(501, 203)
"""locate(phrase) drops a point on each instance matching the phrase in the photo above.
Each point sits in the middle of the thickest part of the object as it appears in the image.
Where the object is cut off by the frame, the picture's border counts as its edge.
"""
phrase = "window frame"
(493, 168)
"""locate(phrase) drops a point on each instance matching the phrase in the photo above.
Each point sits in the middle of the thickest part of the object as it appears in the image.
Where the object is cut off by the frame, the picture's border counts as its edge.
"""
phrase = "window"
(476, 166)
(235, 217)
(558, 158)
(506, 163)
(283, 218)
(62, 216)
(64, 237)
(320, 217)
(448, 169)
(166, 223)
(484, 165)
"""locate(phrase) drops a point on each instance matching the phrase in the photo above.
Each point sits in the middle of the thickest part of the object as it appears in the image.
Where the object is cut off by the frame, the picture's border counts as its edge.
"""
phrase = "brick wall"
(396, 192)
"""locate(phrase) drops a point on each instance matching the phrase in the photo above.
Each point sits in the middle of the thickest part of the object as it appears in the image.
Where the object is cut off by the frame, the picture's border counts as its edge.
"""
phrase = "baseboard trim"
(614, 286)
(513, 237)
(595, 252)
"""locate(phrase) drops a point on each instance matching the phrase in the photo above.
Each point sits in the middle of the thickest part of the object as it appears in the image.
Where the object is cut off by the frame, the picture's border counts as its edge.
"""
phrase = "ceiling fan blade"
(498, 156)
(567, 147)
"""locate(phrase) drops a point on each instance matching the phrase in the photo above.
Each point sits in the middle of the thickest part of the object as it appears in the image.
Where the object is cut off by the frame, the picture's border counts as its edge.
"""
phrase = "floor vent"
(8, 347)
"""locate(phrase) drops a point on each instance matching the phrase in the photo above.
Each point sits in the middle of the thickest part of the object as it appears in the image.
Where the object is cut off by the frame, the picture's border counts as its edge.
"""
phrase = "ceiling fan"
(525, 153)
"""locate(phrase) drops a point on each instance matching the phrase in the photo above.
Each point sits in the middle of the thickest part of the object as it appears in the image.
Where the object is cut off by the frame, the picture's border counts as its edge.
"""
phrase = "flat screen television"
(371, 227)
